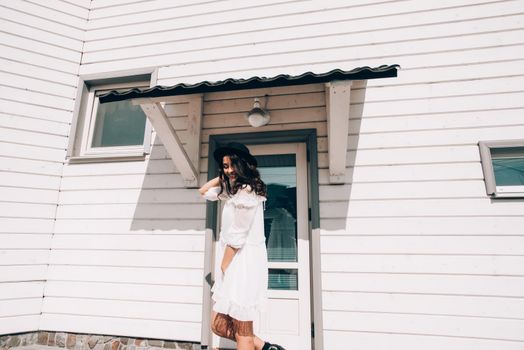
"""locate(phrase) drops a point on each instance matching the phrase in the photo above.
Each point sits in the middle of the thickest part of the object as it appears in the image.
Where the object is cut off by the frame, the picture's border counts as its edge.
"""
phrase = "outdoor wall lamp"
(258, 116)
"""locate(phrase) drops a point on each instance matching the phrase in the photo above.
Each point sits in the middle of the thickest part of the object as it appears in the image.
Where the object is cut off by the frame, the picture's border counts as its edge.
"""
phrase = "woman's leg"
(240, 331)
(259, 343)
(245, 342)
(222, 325)
(244, 334)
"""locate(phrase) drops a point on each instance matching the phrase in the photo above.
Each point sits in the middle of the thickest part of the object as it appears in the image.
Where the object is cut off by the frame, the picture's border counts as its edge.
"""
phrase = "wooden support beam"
(158, 118)
(338, 95)
(194, 128)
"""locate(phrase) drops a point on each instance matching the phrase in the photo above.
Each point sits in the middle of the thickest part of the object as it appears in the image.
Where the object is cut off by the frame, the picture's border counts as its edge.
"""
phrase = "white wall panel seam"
(87, 7)
(295, 12)
(61, 10)
(37, 105)
(28, 88)
(47, 33)
(191, 35)
(42, 17)
(295, 38)
(156, 9)
(383, 58)
(33, 50)
(39, 5)
(313, 46)
(15, 16)
(46, 132)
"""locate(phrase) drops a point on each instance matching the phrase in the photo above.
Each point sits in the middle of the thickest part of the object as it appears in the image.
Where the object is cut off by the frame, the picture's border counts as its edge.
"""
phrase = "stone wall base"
(80, 341)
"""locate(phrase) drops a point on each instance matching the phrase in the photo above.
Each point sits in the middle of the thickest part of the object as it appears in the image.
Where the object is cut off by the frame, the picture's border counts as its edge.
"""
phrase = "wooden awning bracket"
(186, 159)
(338, 95)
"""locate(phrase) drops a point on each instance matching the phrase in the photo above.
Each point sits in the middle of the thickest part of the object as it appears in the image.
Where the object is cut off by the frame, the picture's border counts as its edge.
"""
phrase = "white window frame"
(92, 109)
(489, 175)
(84, 121)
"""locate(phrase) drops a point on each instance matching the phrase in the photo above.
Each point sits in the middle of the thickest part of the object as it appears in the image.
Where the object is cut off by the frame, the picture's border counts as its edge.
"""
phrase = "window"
(503, 166)
(110, 131)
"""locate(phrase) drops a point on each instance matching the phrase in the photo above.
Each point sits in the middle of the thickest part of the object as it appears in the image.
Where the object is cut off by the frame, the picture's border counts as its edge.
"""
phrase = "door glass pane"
(280, 217)
(283, 279)
(119, 124)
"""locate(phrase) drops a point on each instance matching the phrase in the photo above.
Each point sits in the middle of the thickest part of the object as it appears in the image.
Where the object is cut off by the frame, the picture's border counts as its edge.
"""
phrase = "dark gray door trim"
(309, 136)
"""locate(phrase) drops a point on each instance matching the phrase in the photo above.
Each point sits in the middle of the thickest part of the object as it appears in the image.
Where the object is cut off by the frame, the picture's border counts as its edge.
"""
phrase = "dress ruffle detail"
(239, 312)
(241, 291)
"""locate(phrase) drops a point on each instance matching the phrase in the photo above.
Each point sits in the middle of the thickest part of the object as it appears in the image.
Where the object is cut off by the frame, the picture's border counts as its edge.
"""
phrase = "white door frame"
(303, 244)
(304, 294)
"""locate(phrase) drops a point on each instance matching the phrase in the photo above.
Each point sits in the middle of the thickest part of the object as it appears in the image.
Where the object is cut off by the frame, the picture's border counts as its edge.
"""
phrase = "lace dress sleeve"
(212, 193)
(245, 206)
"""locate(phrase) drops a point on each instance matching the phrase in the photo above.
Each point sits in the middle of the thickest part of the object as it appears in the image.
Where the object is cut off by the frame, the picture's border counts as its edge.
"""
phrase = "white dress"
(241, 291)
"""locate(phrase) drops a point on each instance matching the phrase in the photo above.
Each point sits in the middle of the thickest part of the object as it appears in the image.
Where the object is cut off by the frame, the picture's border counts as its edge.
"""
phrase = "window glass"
(508, 166)
(118, 124)
(279, 173)
(509, 172)
(283, 279)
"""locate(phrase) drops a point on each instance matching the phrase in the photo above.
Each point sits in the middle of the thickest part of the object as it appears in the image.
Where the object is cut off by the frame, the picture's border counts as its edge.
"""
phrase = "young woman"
(241, 267)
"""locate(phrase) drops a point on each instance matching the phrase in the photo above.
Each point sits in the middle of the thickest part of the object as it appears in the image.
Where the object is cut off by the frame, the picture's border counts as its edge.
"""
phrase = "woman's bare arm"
(211, 183)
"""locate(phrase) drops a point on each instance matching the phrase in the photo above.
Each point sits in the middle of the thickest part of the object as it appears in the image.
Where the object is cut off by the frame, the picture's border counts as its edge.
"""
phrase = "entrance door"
(283, 168)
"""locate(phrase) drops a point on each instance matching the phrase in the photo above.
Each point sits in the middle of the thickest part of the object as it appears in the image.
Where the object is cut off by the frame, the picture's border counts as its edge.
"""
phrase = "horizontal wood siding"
(413, 253)
(39, 58)
(133, 235)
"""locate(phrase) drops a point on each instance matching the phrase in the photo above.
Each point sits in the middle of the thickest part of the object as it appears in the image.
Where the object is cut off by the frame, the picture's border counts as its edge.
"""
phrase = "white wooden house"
(402, 189)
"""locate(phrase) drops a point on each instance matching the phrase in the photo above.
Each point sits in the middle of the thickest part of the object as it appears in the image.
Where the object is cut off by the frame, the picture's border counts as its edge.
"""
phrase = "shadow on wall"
(173, 218)
(335, 199)
(165, 204)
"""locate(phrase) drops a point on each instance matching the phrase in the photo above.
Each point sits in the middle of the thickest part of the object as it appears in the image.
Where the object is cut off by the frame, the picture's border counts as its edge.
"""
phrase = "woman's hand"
(229, 253)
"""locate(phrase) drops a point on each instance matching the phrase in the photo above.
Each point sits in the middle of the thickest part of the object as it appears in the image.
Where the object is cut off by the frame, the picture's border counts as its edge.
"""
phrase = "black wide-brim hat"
(234, 148)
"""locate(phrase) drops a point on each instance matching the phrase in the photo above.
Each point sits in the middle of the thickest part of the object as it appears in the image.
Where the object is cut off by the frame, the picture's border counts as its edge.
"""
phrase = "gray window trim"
(487, 166)
(85, 85)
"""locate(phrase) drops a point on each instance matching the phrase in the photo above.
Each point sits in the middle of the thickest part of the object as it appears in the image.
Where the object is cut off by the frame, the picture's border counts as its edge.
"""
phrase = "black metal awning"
(361, 73)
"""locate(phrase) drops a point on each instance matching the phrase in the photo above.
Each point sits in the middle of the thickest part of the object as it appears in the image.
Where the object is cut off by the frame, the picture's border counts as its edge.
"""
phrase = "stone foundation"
(74, 341)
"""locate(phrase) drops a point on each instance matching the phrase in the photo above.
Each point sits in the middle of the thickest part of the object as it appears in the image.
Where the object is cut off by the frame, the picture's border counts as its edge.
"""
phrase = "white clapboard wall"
(128, 251)
(40, 52)
(413, 252)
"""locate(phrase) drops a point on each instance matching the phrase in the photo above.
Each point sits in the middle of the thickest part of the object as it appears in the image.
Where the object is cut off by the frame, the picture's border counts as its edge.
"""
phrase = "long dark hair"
(246, 174)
